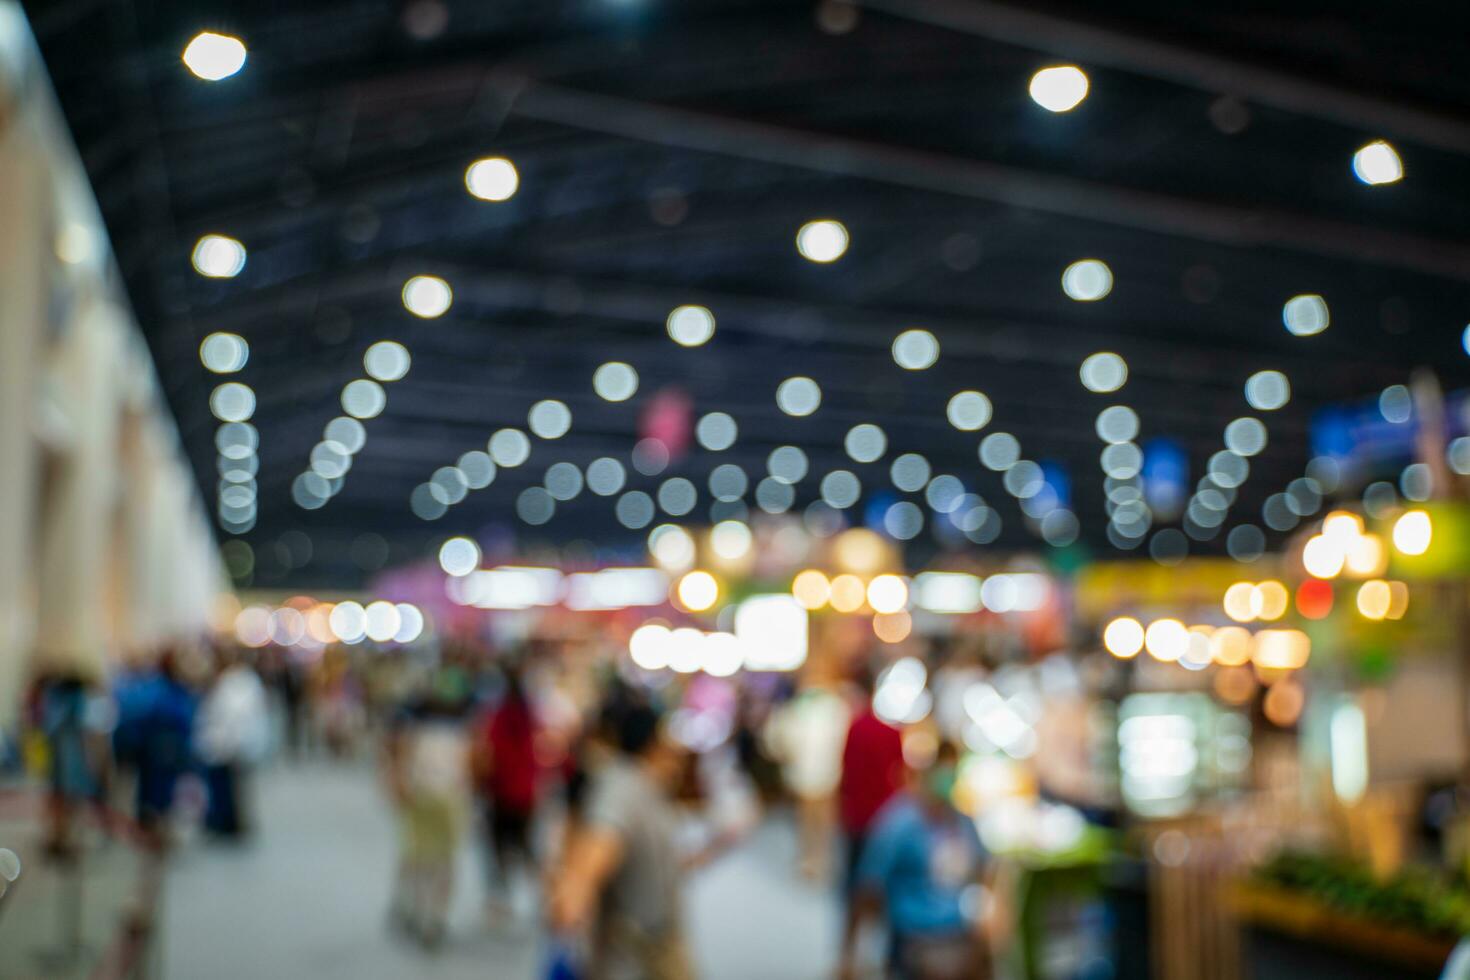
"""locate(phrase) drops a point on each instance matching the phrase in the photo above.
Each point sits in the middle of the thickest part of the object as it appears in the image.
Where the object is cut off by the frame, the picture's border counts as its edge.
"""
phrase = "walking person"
(807, 732)
(66, 715)
(161, 733)
(872, 773)
(429, 778)
(509, 784)
(923, 864)
(622, 876)
(232, 733)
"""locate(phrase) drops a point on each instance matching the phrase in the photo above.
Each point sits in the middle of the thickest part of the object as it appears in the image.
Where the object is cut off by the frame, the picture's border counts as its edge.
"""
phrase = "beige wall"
(105, 546)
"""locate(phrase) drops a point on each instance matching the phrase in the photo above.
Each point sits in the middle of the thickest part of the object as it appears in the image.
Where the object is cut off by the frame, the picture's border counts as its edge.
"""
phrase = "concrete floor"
(308, 898)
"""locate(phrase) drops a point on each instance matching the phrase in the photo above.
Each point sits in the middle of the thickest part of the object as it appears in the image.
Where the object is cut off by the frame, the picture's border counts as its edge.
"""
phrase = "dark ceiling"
(668, 151)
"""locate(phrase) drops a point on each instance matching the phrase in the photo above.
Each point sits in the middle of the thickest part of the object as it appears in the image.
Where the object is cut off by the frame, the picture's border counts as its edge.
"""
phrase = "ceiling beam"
(1227, 224)
(1094, 41)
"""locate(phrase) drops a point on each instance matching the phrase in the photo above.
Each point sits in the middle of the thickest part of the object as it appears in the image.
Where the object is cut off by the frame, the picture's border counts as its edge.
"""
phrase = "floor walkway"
(308, 899)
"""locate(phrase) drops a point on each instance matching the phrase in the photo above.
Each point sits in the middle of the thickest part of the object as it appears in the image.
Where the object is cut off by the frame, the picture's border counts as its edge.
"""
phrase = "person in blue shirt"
(923, 861)
(155, 730)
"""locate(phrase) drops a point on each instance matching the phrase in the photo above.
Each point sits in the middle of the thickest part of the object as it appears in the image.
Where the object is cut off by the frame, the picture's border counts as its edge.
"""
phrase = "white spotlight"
(492, 179)
(213, 56)
(427, 296)
(822, 241)
(218, 257)
(1060, 88)
(1378, 163)
(1087, 280)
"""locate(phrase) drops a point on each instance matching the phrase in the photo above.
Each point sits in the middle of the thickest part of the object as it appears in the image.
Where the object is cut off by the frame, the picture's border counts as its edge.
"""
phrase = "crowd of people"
(608, 811)
(121, 750)
(593, 806)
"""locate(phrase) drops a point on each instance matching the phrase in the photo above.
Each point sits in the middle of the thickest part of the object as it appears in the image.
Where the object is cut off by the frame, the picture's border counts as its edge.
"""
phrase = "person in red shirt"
(510, 784)
(872, 772)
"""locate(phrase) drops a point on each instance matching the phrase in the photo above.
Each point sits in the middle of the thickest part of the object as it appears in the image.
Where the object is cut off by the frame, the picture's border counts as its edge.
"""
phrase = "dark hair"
(637, 728)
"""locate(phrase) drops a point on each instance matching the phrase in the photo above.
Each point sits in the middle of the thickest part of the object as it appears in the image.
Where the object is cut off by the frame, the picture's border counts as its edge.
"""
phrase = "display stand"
(1290, 936)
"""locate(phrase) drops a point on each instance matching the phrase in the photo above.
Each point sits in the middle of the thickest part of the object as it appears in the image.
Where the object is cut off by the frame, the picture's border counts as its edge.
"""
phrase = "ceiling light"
(218, 257)
(822, 241)
(1378, 163)
(427, 296)
(387, 360)
(213, 56)
(691, 326)
(798, 396)
(363, 399)
(224, 353)
(1267, 391)
(492, 179)
(1306, 315)
(232, 402)
(509, 447)
(549, 419)
(1087, 280)
(615, 381)
(1103, 372)
(716, 431)
(915, 350)
(1060, 88)
(865, 443)
(968, 411)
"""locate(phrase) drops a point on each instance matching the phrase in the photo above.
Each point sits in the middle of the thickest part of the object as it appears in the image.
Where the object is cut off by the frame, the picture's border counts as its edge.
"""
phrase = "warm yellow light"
(1374, 599)
(1235, 686)
(1166, 639)
(1239, 604)
(859, 550)
(1342, 525)
(811, 589)
(1398, 600)
(1323, 557)
(1283, 704)
(319, 623)
(1230, 646)
(223, 612)
(1282, 649)
(848, 593)
(1366, 556)
(1269, 600)
(892, 627)
(888, 594)
(1198, 651)
(698, 591)
(1412, 533)
(1123, 637)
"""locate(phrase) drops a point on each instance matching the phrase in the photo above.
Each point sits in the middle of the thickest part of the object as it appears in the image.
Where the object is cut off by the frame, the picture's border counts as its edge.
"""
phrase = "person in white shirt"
(232, 733)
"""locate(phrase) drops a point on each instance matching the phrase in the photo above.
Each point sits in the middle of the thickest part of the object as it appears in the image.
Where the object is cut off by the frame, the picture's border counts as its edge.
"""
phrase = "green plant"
(1415, 898)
